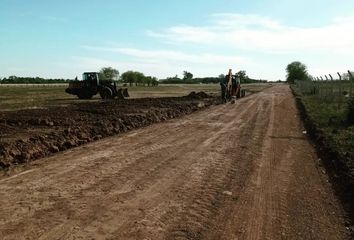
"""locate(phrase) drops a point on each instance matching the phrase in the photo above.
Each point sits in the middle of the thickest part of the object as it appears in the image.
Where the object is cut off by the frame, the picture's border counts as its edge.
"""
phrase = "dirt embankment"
(31, 134)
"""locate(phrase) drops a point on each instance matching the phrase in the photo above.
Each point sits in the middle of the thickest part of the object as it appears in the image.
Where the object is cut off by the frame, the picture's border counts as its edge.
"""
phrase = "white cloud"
(84, 64)
(163, 56)
(186, 34)
(234, 20)
(165, 63)
(263, 34)
(272, 45)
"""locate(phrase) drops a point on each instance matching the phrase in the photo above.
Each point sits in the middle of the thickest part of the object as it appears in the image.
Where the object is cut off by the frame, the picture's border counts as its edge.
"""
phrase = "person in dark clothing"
(223, 85)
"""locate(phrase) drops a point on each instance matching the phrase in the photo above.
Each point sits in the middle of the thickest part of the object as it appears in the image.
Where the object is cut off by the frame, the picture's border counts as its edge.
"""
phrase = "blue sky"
(162, 38)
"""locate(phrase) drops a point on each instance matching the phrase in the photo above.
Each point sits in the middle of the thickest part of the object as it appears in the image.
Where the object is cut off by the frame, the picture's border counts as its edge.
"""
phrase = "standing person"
(223, 83)
(236, 87)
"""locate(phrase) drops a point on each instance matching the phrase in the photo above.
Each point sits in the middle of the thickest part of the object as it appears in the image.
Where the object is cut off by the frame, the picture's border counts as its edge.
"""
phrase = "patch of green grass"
(24, 97)
(327, 115)
(331, 120)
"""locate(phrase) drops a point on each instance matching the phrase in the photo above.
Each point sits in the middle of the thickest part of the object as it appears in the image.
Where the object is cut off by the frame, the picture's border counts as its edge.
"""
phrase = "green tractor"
(91, 85)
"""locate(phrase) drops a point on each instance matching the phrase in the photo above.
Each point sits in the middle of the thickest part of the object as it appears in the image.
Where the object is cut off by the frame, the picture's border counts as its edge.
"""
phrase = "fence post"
(340, 78)
(320, 79)
(340, 91)
(313, 86)
(326, 88)
(332, 84)
(351, 79)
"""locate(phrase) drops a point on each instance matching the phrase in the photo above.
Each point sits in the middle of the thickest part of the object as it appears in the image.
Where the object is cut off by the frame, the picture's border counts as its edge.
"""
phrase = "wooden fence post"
(326, 88)
(332, 84)
(340, 91)
(320, 81)
(340, 78)
(351, 79)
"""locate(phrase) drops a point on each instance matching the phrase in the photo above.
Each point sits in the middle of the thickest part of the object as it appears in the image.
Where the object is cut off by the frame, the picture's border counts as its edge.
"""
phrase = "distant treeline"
(188, 79)
(134, 77)
(30, 80)
(206, 80)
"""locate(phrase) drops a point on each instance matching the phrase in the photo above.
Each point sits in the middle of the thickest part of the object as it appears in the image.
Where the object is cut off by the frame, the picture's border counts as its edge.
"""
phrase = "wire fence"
(329, 89)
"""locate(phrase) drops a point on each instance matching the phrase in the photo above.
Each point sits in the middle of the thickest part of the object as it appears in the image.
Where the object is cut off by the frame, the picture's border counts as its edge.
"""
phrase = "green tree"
(148, 80)
(221, 76)
(154, 81)
(133, 77)
(187, 75)
(129, 77)
(108, 73)
(242, 75)
(296, 71)
(140, 78)
(151, 81)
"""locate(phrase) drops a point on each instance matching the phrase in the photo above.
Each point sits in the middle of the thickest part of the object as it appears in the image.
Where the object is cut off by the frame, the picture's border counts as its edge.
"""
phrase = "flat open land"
(33, 96)
(242, 171)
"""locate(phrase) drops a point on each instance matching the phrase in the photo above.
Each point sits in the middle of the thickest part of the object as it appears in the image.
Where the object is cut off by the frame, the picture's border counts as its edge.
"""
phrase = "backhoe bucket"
(120, 94)
(125, 92)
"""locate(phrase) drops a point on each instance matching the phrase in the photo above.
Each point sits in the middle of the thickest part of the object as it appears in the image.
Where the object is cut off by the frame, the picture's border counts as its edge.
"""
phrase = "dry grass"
(16, 97)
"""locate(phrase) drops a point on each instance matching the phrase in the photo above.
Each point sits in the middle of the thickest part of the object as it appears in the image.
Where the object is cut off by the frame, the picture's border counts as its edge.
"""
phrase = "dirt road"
(243, 171)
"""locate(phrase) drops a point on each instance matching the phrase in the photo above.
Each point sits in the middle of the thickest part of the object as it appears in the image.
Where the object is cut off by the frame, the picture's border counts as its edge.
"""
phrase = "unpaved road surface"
(243, 171)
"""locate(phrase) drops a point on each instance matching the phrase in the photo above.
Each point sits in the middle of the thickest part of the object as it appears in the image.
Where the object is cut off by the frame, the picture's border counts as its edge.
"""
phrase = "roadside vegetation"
(328, 111)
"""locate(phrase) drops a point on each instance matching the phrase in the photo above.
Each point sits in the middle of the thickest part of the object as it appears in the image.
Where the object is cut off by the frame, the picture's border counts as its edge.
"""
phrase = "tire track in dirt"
(269, 205)
(202, 163)
(196, 219)
(229, 172)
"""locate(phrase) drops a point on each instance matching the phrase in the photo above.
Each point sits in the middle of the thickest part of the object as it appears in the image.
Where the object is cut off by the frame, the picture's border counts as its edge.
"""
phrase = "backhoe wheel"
(106, 93)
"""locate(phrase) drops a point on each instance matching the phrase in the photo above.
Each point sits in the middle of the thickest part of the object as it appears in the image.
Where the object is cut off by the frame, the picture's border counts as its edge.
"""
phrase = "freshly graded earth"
(242, 171)
(28, 135)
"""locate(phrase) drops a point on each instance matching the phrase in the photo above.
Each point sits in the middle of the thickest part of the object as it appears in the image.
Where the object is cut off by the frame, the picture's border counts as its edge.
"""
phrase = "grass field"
(16, 97)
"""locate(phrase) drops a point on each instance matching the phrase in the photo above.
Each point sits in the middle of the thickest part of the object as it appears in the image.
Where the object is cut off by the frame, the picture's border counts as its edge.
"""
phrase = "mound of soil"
(27, 135)
(198, 95)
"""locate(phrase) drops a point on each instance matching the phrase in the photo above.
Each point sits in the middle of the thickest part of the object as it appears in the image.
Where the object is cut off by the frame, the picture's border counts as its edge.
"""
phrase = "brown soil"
(241, 171)
(31, 134)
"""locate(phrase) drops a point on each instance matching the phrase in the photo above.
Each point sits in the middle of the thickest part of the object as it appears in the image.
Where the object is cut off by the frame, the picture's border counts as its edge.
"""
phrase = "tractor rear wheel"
(106, 93)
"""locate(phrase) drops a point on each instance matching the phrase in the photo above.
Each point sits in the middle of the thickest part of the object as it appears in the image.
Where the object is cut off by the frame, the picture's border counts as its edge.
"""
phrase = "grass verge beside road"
(334, 137)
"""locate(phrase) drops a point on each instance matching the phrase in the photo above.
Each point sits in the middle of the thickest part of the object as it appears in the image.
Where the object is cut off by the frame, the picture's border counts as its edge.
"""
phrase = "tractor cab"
(91, 77)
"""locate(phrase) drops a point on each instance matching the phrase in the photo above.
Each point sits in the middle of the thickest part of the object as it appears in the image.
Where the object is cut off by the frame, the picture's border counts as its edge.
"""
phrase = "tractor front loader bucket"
(125, 92)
